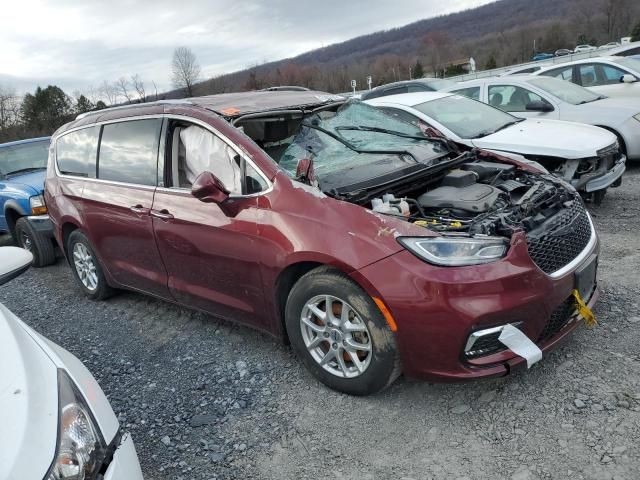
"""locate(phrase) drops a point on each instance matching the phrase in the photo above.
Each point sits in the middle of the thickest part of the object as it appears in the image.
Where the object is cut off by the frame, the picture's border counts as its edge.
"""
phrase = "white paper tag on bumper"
(520, 344)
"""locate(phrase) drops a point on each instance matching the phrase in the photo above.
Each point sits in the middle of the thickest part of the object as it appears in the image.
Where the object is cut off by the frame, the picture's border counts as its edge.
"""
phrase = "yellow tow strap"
(584, 311)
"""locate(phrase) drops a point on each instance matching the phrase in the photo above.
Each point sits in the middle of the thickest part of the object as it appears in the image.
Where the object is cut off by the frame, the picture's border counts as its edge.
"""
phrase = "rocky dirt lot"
(206, 399)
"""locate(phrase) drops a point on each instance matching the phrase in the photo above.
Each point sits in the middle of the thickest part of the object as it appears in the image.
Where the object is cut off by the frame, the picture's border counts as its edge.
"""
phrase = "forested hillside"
(499, 33)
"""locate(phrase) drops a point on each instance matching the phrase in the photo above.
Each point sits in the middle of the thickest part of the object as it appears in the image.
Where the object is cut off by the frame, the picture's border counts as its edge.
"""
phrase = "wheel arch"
(295, 270)
(623, 145)
(12, 212)
(66, 230)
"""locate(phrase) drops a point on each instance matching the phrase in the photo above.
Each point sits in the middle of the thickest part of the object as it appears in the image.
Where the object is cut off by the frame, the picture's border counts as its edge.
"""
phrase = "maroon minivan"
(371, 248)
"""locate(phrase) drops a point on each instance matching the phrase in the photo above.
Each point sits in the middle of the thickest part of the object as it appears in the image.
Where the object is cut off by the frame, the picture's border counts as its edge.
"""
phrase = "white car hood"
(548, 137)
(28, 403)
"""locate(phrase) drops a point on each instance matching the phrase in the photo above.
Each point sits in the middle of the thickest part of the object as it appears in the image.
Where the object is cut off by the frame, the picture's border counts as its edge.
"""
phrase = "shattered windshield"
(348, 139)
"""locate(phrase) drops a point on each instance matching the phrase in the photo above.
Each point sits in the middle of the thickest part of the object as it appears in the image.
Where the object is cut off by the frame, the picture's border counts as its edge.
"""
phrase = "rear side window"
(76, 152)
(564, 73)
(471, 92)
(129, 152)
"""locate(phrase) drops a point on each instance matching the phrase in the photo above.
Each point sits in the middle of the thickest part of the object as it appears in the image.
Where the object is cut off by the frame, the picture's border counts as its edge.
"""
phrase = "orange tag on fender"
(584, 311)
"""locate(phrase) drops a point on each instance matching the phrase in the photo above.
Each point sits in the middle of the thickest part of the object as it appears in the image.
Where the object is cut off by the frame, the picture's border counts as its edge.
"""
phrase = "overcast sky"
(79, 43)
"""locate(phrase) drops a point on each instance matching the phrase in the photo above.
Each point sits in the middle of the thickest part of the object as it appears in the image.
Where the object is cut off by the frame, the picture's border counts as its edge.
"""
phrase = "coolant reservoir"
(381, 206)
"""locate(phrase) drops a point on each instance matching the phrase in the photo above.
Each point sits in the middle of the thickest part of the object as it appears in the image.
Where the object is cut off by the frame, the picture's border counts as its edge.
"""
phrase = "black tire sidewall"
(103, 290)
(41, 246)
(384, 366)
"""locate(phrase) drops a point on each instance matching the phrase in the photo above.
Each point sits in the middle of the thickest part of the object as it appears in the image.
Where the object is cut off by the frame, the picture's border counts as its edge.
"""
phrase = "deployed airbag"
(204, 152)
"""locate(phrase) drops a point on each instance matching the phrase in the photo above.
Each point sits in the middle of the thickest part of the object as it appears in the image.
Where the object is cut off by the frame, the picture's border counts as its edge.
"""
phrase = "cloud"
(78, 43)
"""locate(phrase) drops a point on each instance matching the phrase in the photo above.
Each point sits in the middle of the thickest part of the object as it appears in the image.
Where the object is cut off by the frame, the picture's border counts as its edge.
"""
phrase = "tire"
(598, 197)
(40, 246)
(86, 267)
(367, 372)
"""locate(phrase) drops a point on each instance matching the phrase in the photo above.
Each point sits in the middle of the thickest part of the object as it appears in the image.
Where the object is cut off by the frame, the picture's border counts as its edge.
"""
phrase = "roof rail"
(133, 105)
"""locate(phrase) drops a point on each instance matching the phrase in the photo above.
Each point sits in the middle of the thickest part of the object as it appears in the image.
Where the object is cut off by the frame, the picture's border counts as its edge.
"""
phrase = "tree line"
(436, 53)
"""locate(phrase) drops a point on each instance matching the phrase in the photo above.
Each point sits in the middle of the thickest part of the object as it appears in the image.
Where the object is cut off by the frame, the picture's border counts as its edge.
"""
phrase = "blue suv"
(23, 213)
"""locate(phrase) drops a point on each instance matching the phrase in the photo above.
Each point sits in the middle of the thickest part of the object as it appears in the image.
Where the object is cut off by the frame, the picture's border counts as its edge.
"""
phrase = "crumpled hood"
(28, 403)
(549, 138)
(33, 181)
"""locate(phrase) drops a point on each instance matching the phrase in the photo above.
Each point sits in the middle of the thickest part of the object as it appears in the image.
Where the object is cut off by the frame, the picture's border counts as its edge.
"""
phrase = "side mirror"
(209, 189)
(628, 78)
(14, 261)
(539, 106)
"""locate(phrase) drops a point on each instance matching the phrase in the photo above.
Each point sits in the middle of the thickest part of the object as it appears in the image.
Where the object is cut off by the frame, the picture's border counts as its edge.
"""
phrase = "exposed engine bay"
(481, 197)
(359, 154)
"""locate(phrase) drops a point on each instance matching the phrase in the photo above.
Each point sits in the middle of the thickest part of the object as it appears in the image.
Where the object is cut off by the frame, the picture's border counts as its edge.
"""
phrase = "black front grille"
(563, 238)
(558, 319)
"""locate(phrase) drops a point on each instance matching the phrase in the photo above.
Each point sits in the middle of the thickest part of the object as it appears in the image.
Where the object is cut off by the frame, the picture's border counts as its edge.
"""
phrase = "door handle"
(139, 209)
(162, 214)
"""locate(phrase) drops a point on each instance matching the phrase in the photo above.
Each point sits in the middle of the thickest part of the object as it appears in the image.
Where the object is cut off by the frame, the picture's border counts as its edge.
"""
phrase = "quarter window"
(129, 151)
(565, 73)
(76, 152)
(471, 92)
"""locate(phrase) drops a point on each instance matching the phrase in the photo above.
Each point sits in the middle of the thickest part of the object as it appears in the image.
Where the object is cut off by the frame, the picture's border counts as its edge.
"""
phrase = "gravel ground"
(206, 399)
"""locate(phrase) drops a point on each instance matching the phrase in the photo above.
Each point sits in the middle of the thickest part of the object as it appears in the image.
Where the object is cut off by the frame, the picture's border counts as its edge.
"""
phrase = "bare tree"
(122, 87)
(185, 69)
(9, 108)
(138, 86)
(109, 92)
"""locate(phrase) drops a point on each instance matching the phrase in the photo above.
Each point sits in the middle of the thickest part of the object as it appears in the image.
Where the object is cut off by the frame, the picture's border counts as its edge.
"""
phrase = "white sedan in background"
(586, 156)
(533, 96)
(610, 76)
(55, 421)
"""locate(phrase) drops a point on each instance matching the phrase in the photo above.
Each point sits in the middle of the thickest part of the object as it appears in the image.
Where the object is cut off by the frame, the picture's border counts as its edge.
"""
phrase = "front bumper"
(124, 465)
(436, 309)
(41, 224)
(608, 179)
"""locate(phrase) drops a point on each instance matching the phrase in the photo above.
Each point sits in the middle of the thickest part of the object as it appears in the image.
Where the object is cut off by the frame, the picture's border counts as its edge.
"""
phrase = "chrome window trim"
(573, 264)
(185, 118)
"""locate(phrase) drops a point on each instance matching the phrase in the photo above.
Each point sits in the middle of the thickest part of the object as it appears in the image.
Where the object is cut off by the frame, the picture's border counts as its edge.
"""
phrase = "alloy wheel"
(85, 266)
(335, 336)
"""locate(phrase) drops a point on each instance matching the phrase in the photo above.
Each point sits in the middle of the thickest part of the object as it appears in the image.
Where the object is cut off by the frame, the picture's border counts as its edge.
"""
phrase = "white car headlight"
(81, 449)
(456, 251)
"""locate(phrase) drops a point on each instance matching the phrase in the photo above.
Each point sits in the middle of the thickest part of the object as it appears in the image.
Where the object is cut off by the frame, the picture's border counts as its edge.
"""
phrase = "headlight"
(456, 251)
(37, 205)
(81, 449)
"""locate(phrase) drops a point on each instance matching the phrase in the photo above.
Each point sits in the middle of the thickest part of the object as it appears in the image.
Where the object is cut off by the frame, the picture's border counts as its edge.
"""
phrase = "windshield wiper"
(364, 128)
(24, 170)
(599, 97)
(353, 147)
(486, 133)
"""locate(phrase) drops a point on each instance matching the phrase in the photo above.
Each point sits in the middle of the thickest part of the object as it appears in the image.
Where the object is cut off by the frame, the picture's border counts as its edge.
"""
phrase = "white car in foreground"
(586, 156)
(610, 76)
(532, 96)
(55, 421)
